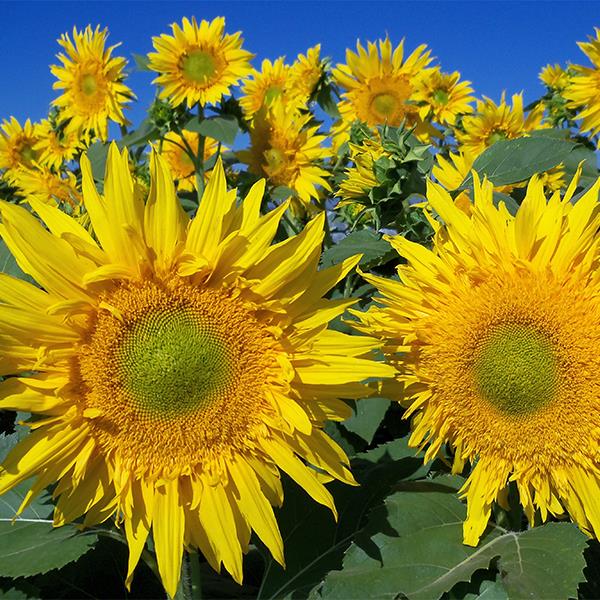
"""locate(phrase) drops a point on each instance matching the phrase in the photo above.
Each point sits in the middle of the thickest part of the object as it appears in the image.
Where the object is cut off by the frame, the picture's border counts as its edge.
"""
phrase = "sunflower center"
(199, 66)
(172, 363)
(89, 85)
(275, 158)
(441, 97)
(385, 104)
(516, 370)
(28, 154)
(272, 94)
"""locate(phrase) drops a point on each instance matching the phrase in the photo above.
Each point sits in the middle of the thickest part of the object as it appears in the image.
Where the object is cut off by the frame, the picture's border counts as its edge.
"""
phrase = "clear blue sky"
(496, 45)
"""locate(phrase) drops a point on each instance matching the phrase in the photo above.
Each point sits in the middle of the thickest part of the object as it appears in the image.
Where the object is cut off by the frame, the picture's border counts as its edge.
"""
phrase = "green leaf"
(589, 169)
(511, 161)
(97, 154)
(222, 129)
(367, 417)
(327, 102)
(511, 204)
(375, 250)
(414, 547)
(9, 265)
(314, 542)
(142, 62)
(29, 544)
(145, 133)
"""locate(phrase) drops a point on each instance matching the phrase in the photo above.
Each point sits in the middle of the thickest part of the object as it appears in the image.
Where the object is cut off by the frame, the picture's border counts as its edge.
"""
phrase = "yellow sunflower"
(360, 177)
(43, 185)
(198, 63)
(554, 77)
(92, 80)
(17, 144)
(379, 86)
(583, 91)
(492, 122)
(305, 73)
(269, 85)
(443, 96)
(180, 365)
(286, 150)
(58, 145)
(182, 167)
(494, 360)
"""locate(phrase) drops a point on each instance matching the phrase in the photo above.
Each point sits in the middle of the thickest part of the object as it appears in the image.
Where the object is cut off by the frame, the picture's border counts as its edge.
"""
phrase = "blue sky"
(497, 45)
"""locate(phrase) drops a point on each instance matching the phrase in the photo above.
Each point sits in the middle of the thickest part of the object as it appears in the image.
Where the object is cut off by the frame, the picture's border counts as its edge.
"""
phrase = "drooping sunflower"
(379, 86)
(443, 96)
(492, 122)
(288, 151)
(495, 332)
(583, 90)
(17, 144)
(176, 155)
(269, 85)
(198, 63)
(58, 145)
(180, 365)
(92, 82)
(44, 185)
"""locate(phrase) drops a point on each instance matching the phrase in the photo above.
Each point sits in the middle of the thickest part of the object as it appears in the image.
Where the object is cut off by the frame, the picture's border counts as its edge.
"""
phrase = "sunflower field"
(309, 330)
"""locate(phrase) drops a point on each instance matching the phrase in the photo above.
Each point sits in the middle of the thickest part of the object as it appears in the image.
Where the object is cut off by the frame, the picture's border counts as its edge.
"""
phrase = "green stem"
(184, 589)
(200, 157)
(195, 577)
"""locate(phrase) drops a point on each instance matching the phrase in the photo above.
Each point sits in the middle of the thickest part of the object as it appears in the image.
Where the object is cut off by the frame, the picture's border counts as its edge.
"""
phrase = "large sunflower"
(198, 63)
(379, 85)
(492, 122)
(92, 80)
(495, 332)
(180, 365)
(288, 151)
(583, 90)
(17, 145)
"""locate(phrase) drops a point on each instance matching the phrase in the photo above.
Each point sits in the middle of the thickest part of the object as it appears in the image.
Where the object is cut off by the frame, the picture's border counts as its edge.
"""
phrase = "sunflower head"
(18, 145)
(288, 151)
(306, 73)
(493, 122)
(554, 77)
(199, 63)
(58, 145)
(181, 363)
(493, 360)
(91, 80)
(42, 184)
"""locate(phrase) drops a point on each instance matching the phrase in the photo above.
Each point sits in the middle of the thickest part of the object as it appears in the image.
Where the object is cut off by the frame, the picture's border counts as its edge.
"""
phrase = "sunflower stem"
(195, 577)
(184, 589)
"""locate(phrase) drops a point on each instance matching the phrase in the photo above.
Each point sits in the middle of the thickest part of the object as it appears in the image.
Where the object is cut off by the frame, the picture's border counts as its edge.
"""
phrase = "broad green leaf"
(16, 594)
(327, 102)
(589, 169)
(375, 250)
(97, 154)
(413, 546)
(9, 265)
(314, 542)
(511, 204)
(145, 133)
(29, 544)
(222, 129)
(511, 161)
(367, 417)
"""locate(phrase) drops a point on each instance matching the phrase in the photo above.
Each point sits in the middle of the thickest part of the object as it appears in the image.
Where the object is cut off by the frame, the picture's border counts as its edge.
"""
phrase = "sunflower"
(554, 77)
(443, 96)
(174, 151)
(493, 360)
(286, 150)
(43, 185)
(360, 177)
(58, 145)
(380, 85)
(305, 74)
(92, 80)
(198, 63)
(493, 122)
(271, 84)
(583, 91)
(180, 365)
(17, 144)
